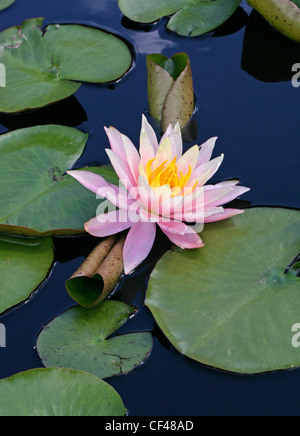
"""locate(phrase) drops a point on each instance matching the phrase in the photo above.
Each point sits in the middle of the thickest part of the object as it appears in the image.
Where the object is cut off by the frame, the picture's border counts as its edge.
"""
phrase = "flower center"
(168, 174)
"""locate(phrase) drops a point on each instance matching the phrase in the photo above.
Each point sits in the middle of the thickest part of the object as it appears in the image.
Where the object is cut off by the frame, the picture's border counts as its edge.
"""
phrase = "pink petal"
(93, 182)
(176, 227)
(228, 213)
(124, 148)
(189, 240)
(237, 191)
(189, 159)
(108, 224)
(138, 245)
(122, 169)
(164, 153)
(214, 194)
(206, 151)
(148, 143)
(210, 167)
(175, 136)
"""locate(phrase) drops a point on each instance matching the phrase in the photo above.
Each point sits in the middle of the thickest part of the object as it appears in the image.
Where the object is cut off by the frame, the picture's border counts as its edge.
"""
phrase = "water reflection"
(68, 112)
(267, 55)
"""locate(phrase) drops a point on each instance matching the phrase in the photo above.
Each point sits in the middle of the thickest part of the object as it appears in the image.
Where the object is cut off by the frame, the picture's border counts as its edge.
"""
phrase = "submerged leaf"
(98, 275)
(284, 15)
(36, 196)
(190, 17)
(170, 89)
(43, 67)
(58, 392)
(24, 264)
(235, 308)
(78, 339)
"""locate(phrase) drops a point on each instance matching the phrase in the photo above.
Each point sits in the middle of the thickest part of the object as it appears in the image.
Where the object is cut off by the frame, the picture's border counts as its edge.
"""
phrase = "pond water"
(246, 98)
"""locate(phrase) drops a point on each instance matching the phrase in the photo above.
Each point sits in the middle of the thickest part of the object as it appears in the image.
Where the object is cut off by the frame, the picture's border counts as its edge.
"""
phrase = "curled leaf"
(170, 89)
(98, 276)
(284, 15)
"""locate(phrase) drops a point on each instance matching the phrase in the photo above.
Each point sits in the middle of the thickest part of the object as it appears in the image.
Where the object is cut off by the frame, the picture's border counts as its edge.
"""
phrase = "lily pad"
(5, 4)
(232, 304)
(43, 67)
(36, 196)
(24, 264)
(170, 89)
(78, 340)
(284, 15)
(190, 17)
(58, 392)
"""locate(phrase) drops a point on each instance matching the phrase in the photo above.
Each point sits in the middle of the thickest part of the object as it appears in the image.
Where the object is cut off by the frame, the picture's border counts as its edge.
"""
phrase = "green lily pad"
(5, 4)
(190, 17)
(284, 15)
(45, 67)
(170, 89)
(24, 264)
(230, 305)
(58, 392)
(78, 340)
(36, 196)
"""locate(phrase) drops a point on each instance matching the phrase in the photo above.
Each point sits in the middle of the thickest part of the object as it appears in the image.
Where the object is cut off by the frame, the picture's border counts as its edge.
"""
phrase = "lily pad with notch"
(189, 17)
(37, 197)
(236, 307)
(47, 65)
(81, 339)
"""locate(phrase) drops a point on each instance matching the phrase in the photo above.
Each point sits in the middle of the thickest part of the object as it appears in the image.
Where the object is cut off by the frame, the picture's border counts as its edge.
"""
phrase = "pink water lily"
(159, 186)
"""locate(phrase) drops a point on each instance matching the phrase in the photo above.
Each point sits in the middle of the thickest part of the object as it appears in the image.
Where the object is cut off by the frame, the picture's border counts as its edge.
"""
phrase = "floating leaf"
(98, 276)
(170, 89)
(230, 305)
(58, 392)
(24, 264)
(284, 15)
(78, 340)
(44, 67)
(36, 196)
(5, 4)
(190, 17)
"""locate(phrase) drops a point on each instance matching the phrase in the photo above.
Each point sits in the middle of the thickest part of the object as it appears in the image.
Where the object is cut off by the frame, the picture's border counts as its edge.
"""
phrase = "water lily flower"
(160, 186)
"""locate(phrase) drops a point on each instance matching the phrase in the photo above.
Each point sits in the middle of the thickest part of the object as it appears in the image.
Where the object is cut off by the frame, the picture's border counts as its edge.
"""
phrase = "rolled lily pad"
(232, 304)
(36, 196)
(284, 15)
(98, 276)
(24, 264)
(78, 340)
(190, 17)
(43, 67)
(170, 89)
(58, 392)
(5, 4)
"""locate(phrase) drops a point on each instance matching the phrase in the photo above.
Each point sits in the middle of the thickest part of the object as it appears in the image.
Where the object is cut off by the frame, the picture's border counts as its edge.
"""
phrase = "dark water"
(245, 96)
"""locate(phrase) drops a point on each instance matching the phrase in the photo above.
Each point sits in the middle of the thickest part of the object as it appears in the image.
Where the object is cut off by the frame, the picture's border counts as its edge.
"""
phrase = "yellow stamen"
(167, 174)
